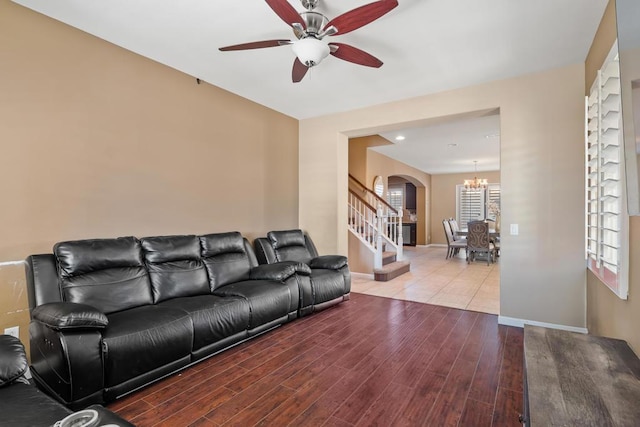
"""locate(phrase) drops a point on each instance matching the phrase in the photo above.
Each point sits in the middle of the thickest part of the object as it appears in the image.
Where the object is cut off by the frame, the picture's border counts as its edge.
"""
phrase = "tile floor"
(439, 281)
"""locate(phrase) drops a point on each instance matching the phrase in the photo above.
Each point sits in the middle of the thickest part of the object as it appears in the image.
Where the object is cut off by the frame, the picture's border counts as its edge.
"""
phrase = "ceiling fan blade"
(286, 12)
(256, 45)
(355, 55)
(361, 16)
(299, 70)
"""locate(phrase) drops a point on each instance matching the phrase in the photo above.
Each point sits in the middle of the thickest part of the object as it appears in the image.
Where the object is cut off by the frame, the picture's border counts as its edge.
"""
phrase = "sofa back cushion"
(108, 274)
(175, 266)
(289, 245)
(225, 258)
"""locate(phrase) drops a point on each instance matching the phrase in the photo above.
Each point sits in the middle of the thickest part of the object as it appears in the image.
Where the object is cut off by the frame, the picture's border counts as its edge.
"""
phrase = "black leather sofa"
(329, 282)
(109, 316)
(22, 404)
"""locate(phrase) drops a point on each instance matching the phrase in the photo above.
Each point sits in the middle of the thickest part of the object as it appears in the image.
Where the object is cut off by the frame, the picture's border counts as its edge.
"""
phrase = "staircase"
(391, 268)
(379, 227)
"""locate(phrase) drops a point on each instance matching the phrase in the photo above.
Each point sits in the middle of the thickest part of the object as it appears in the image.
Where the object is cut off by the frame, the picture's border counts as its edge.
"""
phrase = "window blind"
(472, 204)
(493, 199)
(605, 210)
(395, 197)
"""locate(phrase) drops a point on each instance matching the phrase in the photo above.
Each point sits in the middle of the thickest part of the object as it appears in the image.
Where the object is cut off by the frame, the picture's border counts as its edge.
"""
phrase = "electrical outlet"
(514, 229)
(13, 331)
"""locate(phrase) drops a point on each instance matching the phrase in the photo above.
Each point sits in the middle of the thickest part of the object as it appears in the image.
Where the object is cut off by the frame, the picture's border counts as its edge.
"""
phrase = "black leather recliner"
(112, 315)
(22, 404)
(329, 282)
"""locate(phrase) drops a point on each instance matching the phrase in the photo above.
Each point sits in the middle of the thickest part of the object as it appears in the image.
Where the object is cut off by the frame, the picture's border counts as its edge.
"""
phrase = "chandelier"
(475, 183)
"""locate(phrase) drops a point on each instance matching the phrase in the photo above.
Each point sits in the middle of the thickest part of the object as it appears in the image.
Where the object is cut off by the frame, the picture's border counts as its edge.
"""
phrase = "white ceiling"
(449, 147)
(427, 46)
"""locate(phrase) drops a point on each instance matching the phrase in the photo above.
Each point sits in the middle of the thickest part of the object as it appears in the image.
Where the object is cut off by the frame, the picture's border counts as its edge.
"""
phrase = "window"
(396, 194)
(606, 218)
(493, 198)
(378, 186)
(473, 204)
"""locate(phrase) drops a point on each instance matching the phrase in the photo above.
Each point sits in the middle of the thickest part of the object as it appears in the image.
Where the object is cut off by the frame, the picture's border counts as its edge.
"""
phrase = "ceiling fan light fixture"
(310, 51)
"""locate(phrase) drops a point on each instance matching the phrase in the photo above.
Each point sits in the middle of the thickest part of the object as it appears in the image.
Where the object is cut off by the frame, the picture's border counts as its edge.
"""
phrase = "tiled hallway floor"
(439, 281)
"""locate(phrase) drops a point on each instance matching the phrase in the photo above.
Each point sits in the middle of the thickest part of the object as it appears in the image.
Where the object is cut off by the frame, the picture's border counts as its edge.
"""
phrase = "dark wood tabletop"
(575, 379)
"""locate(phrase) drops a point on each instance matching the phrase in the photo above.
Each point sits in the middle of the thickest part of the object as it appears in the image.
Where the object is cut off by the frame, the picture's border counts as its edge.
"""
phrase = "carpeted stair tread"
(388, 257)
(391, 270)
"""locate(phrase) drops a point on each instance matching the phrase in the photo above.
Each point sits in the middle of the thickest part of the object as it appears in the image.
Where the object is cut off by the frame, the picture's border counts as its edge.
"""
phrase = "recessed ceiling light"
(492, 135)
(400, 138)
(452, 145)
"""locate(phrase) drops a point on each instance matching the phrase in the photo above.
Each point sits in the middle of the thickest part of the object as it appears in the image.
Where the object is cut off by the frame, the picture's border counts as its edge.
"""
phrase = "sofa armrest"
(69, 315)
(279, 271)
(300, 267)
(329, 262)
(13, 360)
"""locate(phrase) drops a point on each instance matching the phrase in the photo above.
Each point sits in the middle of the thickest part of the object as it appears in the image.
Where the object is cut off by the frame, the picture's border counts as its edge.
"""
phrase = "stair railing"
(376, 218)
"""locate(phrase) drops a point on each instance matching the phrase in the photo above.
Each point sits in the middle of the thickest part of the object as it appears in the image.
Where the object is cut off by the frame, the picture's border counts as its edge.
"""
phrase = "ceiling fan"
(310, 28)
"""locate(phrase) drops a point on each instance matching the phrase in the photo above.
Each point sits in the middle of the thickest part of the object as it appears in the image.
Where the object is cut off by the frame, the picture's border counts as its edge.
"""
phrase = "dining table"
(493, 233)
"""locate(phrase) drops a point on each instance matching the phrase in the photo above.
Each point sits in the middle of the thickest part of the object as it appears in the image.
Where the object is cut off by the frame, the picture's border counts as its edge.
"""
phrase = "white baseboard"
(512, 321)
(8, 263)
(362, 275)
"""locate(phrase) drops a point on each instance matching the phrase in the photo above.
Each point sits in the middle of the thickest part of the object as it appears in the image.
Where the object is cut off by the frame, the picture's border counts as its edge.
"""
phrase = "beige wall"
(98, 142)
(606, 313)
(601, 45)
(443, 198)
(358, 155)
(542, 138)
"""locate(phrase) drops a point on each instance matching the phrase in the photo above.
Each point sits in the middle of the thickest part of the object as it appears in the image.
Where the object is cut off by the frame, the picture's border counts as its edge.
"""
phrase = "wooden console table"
(573, 379)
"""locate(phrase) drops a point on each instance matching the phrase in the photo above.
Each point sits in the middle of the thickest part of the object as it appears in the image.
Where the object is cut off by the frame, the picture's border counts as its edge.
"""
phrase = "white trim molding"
(362, 275)
(7, 263)
(512, 321)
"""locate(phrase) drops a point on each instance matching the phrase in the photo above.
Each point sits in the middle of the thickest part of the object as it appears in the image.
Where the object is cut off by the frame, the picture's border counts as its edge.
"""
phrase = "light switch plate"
(13, 331)
(514, 229)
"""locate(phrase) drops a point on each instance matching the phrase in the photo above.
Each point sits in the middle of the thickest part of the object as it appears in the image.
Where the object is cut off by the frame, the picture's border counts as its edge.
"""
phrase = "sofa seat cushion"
(144, 338)
(214, 317)
(268, 300)
(326, 285)
(25, 405)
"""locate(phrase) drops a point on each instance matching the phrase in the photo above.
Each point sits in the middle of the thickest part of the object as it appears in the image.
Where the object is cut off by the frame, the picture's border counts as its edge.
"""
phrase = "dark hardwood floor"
(371, 361)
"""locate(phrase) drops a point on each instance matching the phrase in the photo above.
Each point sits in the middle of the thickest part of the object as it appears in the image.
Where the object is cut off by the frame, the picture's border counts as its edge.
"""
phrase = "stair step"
(391, 271)
(388, 257)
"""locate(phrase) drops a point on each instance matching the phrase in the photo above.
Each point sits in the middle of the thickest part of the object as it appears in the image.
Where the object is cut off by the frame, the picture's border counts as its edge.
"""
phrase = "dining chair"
(455, 229)
(453, 246)
(479, 242)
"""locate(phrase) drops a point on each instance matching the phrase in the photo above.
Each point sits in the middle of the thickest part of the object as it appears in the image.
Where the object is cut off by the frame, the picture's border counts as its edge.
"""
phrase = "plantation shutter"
(493, 196)
(605, 208)
(471, 205)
